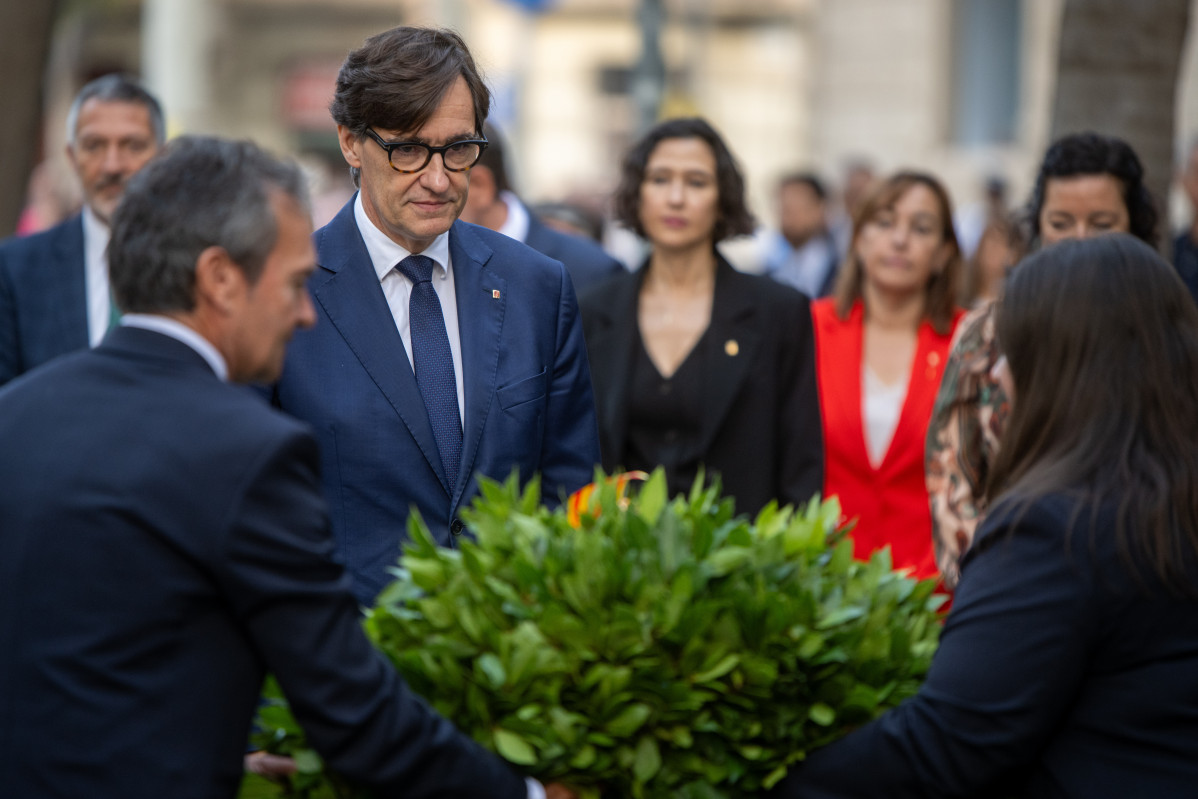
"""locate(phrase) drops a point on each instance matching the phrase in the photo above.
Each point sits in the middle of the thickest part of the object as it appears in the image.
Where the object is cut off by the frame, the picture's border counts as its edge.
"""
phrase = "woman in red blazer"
(881, 344)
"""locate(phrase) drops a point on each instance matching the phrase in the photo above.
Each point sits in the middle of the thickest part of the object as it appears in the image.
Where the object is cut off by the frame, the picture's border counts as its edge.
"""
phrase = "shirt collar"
(385, 253)
(517, 223)
(95, 236)
(180, 332)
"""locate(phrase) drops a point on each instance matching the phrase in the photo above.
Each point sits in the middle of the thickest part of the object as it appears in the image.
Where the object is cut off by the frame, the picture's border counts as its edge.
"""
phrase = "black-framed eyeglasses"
(411, 156)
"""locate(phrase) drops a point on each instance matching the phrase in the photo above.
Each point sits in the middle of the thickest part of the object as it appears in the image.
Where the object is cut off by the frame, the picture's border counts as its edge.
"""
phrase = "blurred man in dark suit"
(54, 294)
(165, 539)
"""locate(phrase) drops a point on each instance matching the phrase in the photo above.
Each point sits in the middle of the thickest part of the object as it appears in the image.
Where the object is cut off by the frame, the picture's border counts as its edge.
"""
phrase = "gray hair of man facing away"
(117, 88)
(397, 78)
(201, 192)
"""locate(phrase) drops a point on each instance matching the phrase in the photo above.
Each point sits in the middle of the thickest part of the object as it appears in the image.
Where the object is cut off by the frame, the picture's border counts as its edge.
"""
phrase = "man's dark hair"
(397, 78)
(733, 219)
(808, 179)
(201, 192)
(117, 88)
(494, 158)
(1092, 153)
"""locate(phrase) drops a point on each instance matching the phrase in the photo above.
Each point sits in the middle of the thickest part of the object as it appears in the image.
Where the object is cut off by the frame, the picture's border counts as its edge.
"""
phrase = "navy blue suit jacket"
(1057, 676)
(529, 405)
(587, 262)
(165, 544)
(43, 298)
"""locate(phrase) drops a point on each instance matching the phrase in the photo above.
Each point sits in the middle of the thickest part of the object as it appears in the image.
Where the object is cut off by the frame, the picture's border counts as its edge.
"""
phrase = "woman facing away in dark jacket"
(695, 365)
(1068, 666)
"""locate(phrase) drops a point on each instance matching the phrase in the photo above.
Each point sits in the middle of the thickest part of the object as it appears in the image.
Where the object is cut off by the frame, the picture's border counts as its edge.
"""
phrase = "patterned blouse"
(968, 418)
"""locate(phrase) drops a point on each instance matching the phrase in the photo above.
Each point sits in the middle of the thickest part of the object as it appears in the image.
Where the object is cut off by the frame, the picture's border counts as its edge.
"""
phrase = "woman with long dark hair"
(1068, 665)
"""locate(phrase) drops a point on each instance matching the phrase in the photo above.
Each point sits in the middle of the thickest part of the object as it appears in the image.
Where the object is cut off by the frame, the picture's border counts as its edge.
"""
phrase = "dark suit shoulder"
(764, 290)
(1069, 527)
(563, 246)
(513, 258)
(587, 262)
(20, 253)
(609, 297)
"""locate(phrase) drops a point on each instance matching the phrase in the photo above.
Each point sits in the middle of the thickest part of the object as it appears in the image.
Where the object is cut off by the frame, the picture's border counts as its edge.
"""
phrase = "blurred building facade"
(960, 87)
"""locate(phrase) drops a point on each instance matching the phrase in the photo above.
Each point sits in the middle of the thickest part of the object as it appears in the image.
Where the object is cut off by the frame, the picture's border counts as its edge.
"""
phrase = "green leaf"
(653, 496)
(774, 777)
(841, 616)
(583, 759)
(727, 664)
(629, 720)
(491, 666)
(648, 759)
(307, 761)
(514, 748)
(821, 714)
(725, 561)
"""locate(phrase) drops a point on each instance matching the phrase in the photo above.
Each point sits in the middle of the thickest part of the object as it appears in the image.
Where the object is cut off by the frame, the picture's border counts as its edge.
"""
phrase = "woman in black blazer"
(695, 365)
(1068, 666)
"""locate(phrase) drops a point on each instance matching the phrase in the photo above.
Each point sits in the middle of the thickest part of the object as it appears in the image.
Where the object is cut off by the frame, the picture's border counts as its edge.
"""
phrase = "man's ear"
(349, 146)
(220, 283)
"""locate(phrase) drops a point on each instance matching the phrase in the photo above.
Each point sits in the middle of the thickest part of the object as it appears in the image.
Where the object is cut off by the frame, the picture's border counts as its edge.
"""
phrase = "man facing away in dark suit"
(492, 203)
(443, 350)
(166, 542)
(54, 295)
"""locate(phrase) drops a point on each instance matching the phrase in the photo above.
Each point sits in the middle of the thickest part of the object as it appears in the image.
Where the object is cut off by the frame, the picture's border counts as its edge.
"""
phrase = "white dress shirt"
(95, 273)
(385, 254)
(180, 332)
(518, 221)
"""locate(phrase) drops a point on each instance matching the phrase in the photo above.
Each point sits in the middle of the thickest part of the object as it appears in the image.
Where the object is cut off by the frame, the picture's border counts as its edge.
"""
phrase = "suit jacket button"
(456, 527)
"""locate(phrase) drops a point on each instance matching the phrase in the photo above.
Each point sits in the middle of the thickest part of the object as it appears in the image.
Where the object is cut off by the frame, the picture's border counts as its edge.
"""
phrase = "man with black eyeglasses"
(442, 351)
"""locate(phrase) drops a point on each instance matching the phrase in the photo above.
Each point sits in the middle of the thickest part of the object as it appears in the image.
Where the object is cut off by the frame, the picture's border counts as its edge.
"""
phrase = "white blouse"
(881, 406)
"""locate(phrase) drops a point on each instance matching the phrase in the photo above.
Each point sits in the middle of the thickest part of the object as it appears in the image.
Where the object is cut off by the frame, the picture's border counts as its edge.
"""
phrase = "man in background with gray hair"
(54, 294)
(166, 542)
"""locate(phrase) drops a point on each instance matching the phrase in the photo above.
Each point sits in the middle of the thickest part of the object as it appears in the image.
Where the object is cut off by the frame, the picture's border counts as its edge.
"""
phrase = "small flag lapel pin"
(494, 294)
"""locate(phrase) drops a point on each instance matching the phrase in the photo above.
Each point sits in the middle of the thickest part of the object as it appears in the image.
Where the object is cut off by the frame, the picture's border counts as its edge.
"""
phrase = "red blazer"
(890, 502)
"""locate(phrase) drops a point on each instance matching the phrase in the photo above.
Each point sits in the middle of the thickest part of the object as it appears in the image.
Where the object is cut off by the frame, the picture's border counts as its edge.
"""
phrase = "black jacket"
(761, 420)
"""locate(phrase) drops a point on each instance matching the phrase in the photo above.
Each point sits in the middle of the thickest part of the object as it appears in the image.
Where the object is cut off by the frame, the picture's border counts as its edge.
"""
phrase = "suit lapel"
(610, 351)
(839, 353)
(348, 290)
(68, 284)
(731, 343)
(482, 300)
(931, 351)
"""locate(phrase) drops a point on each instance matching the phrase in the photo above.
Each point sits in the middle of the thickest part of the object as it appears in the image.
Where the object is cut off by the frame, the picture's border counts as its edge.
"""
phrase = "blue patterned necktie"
(432, 361)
